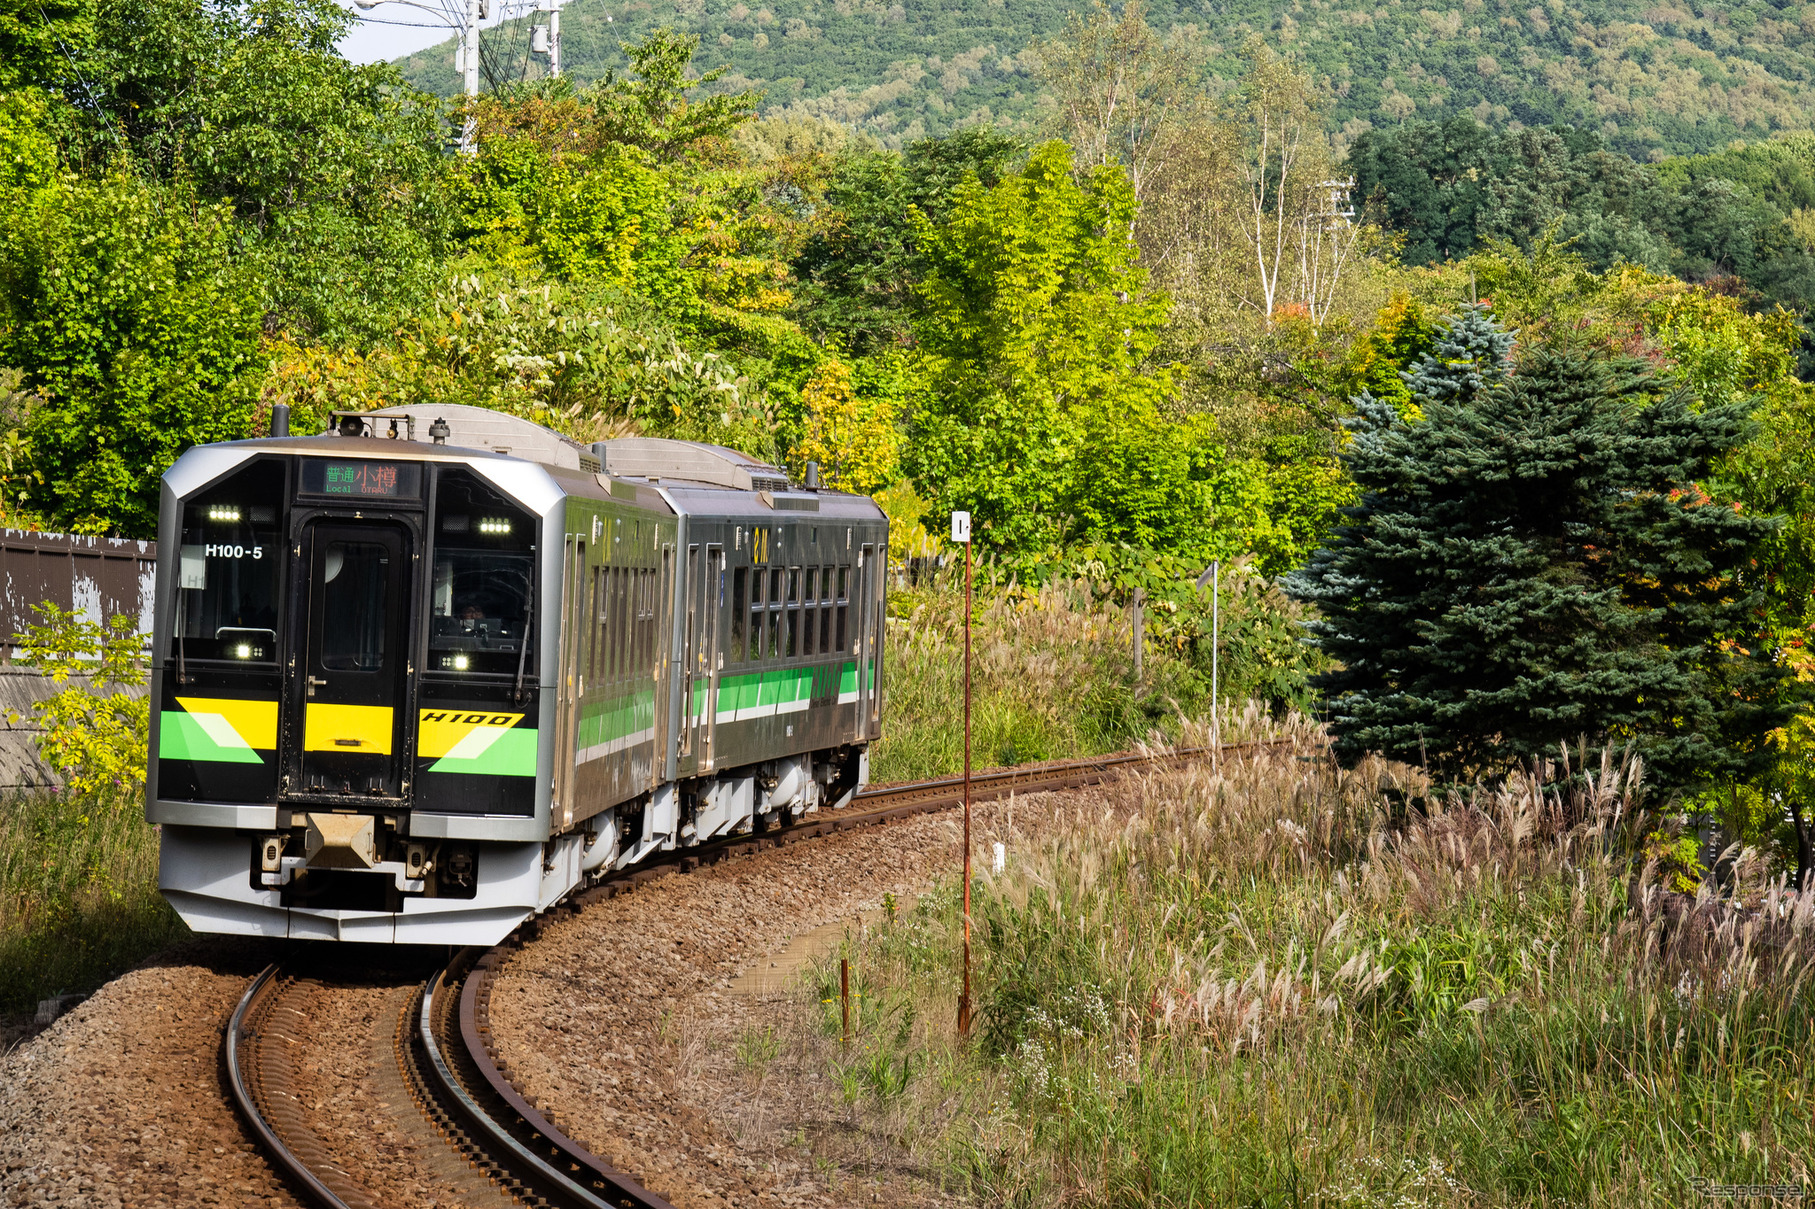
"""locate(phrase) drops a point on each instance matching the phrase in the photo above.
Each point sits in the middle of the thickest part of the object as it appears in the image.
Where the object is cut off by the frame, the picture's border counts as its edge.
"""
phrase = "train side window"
(740, 612)
(630, 618)
(756, 616)
(773, 643)
(652, 609)
(619, 663)
(793, 585)
(601, 648)
(809, 620)
(840, 632)
(582, 631)
(646, 631)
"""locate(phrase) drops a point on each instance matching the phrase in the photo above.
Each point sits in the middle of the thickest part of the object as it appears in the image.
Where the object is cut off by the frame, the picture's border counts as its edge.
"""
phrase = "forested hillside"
(1652, 78)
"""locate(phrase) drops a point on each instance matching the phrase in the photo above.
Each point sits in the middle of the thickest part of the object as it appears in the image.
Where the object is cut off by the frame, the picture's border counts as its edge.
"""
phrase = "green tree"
(650, 109)
(1534, 562)
(1037, 331)
(336, 169)
(860, 265)
(131, 316)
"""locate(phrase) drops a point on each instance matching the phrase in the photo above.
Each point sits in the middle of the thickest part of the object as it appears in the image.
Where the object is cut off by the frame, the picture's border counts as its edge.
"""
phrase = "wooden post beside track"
(961, 532)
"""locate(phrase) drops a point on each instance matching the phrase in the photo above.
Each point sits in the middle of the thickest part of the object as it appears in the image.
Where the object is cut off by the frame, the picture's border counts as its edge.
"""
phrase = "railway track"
(513, 1152)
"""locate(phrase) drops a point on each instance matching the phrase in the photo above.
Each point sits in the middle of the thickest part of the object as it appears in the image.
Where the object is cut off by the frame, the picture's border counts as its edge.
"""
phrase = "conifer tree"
(1532, 563)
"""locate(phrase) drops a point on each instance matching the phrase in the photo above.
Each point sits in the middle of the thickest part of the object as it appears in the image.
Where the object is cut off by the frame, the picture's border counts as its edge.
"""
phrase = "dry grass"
(1051, 675)
(1268, 983)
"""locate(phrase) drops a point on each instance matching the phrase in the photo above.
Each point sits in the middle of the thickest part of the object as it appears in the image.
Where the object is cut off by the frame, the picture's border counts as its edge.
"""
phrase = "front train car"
(420, 678)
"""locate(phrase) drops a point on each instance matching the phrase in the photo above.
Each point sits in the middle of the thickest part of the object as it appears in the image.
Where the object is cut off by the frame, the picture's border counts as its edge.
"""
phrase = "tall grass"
(78, 895)
(1052, 673)
(1265, 983)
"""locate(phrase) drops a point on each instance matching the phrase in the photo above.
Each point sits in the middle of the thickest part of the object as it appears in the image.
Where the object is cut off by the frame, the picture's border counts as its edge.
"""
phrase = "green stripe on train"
(604, 721)
(181, 736)
(511, 754)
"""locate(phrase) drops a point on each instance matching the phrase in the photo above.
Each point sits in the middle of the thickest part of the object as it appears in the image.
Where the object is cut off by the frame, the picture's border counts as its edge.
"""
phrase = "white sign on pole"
(961, 527)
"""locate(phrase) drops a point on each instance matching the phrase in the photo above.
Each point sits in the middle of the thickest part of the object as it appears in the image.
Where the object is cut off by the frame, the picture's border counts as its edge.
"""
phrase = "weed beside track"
(78, 895)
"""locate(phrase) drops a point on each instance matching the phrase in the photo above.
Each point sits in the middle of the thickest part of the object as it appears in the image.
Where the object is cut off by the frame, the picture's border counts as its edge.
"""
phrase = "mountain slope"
(1655, 79)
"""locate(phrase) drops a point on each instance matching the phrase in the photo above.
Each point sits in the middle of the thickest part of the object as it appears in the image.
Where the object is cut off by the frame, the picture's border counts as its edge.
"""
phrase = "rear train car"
(422, 677)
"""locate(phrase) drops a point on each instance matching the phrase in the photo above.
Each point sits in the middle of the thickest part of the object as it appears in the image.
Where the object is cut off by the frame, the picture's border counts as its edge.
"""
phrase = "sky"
(389, 31)
(393, 29)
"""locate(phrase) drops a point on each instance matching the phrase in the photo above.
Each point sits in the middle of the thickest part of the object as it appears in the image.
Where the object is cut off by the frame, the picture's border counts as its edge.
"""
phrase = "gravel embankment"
(121, 1102)
(624, 1021)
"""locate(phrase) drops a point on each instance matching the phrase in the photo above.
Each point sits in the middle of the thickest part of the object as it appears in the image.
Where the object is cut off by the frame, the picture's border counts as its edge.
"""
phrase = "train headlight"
(458, 663)
(243, 650)
(223, 512)
(498, 525)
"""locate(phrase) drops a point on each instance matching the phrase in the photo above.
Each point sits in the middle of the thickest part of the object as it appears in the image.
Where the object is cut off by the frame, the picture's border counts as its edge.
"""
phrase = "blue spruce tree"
(1531, 563)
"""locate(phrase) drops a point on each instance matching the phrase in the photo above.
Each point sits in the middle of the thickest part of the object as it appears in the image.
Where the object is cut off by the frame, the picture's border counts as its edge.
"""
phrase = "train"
(423, 676)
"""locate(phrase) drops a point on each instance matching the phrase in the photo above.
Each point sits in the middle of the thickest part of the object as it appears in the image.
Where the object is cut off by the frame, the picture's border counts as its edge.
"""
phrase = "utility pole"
(554, 39)
(469, 73)
(546, 39)
(961, 533)
(1216, 706)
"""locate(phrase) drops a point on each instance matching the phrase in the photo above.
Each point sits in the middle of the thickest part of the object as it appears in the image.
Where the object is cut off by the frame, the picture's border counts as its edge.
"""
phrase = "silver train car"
(422, 677)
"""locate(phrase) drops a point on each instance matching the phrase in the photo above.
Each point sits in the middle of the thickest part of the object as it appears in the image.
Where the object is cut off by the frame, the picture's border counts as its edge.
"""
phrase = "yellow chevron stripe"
(254, 721)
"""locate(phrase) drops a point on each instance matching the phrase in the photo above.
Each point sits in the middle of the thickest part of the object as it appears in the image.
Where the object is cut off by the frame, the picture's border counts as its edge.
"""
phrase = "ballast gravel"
(611, 1017)
(121, 1103)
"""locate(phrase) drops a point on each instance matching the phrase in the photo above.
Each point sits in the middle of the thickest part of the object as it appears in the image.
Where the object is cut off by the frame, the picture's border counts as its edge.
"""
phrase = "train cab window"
(354, 578)
(483, 589)
(229, 568)
(740, 611)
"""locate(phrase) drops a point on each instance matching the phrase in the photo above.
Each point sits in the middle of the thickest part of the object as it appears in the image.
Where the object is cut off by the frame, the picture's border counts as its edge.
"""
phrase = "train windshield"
(229, 566)
(483, 592)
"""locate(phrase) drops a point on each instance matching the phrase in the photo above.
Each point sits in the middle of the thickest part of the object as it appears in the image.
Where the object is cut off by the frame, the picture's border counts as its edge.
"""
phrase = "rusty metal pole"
(961, 531)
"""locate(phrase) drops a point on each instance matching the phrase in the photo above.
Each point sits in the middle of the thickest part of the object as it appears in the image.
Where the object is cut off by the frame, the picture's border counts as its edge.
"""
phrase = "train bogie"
(417, 690)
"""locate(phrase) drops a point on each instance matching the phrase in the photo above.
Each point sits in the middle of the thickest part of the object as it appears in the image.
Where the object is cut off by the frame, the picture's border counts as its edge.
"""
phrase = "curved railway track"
(442, 1041)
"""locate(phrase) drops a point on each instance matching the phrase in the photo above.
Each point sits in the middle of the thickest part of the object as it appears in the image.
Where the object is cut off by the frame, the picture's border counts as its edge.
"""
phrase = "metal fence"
(96, 577)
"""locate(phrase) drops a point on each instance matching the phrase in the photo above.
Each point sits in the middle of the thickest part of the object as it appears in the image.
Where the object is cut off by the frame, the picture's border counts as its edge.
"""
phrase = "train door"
(704, 658)
(691, 585)
(569, 686)
(354, 661)
(663, 669)
(867, 624)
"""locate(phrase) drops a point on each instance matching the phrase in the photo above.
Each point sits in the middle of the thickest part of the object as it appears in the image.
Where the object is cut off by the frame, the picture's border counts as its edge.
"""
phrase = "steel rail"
(610, 1189)
(251, 1006)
